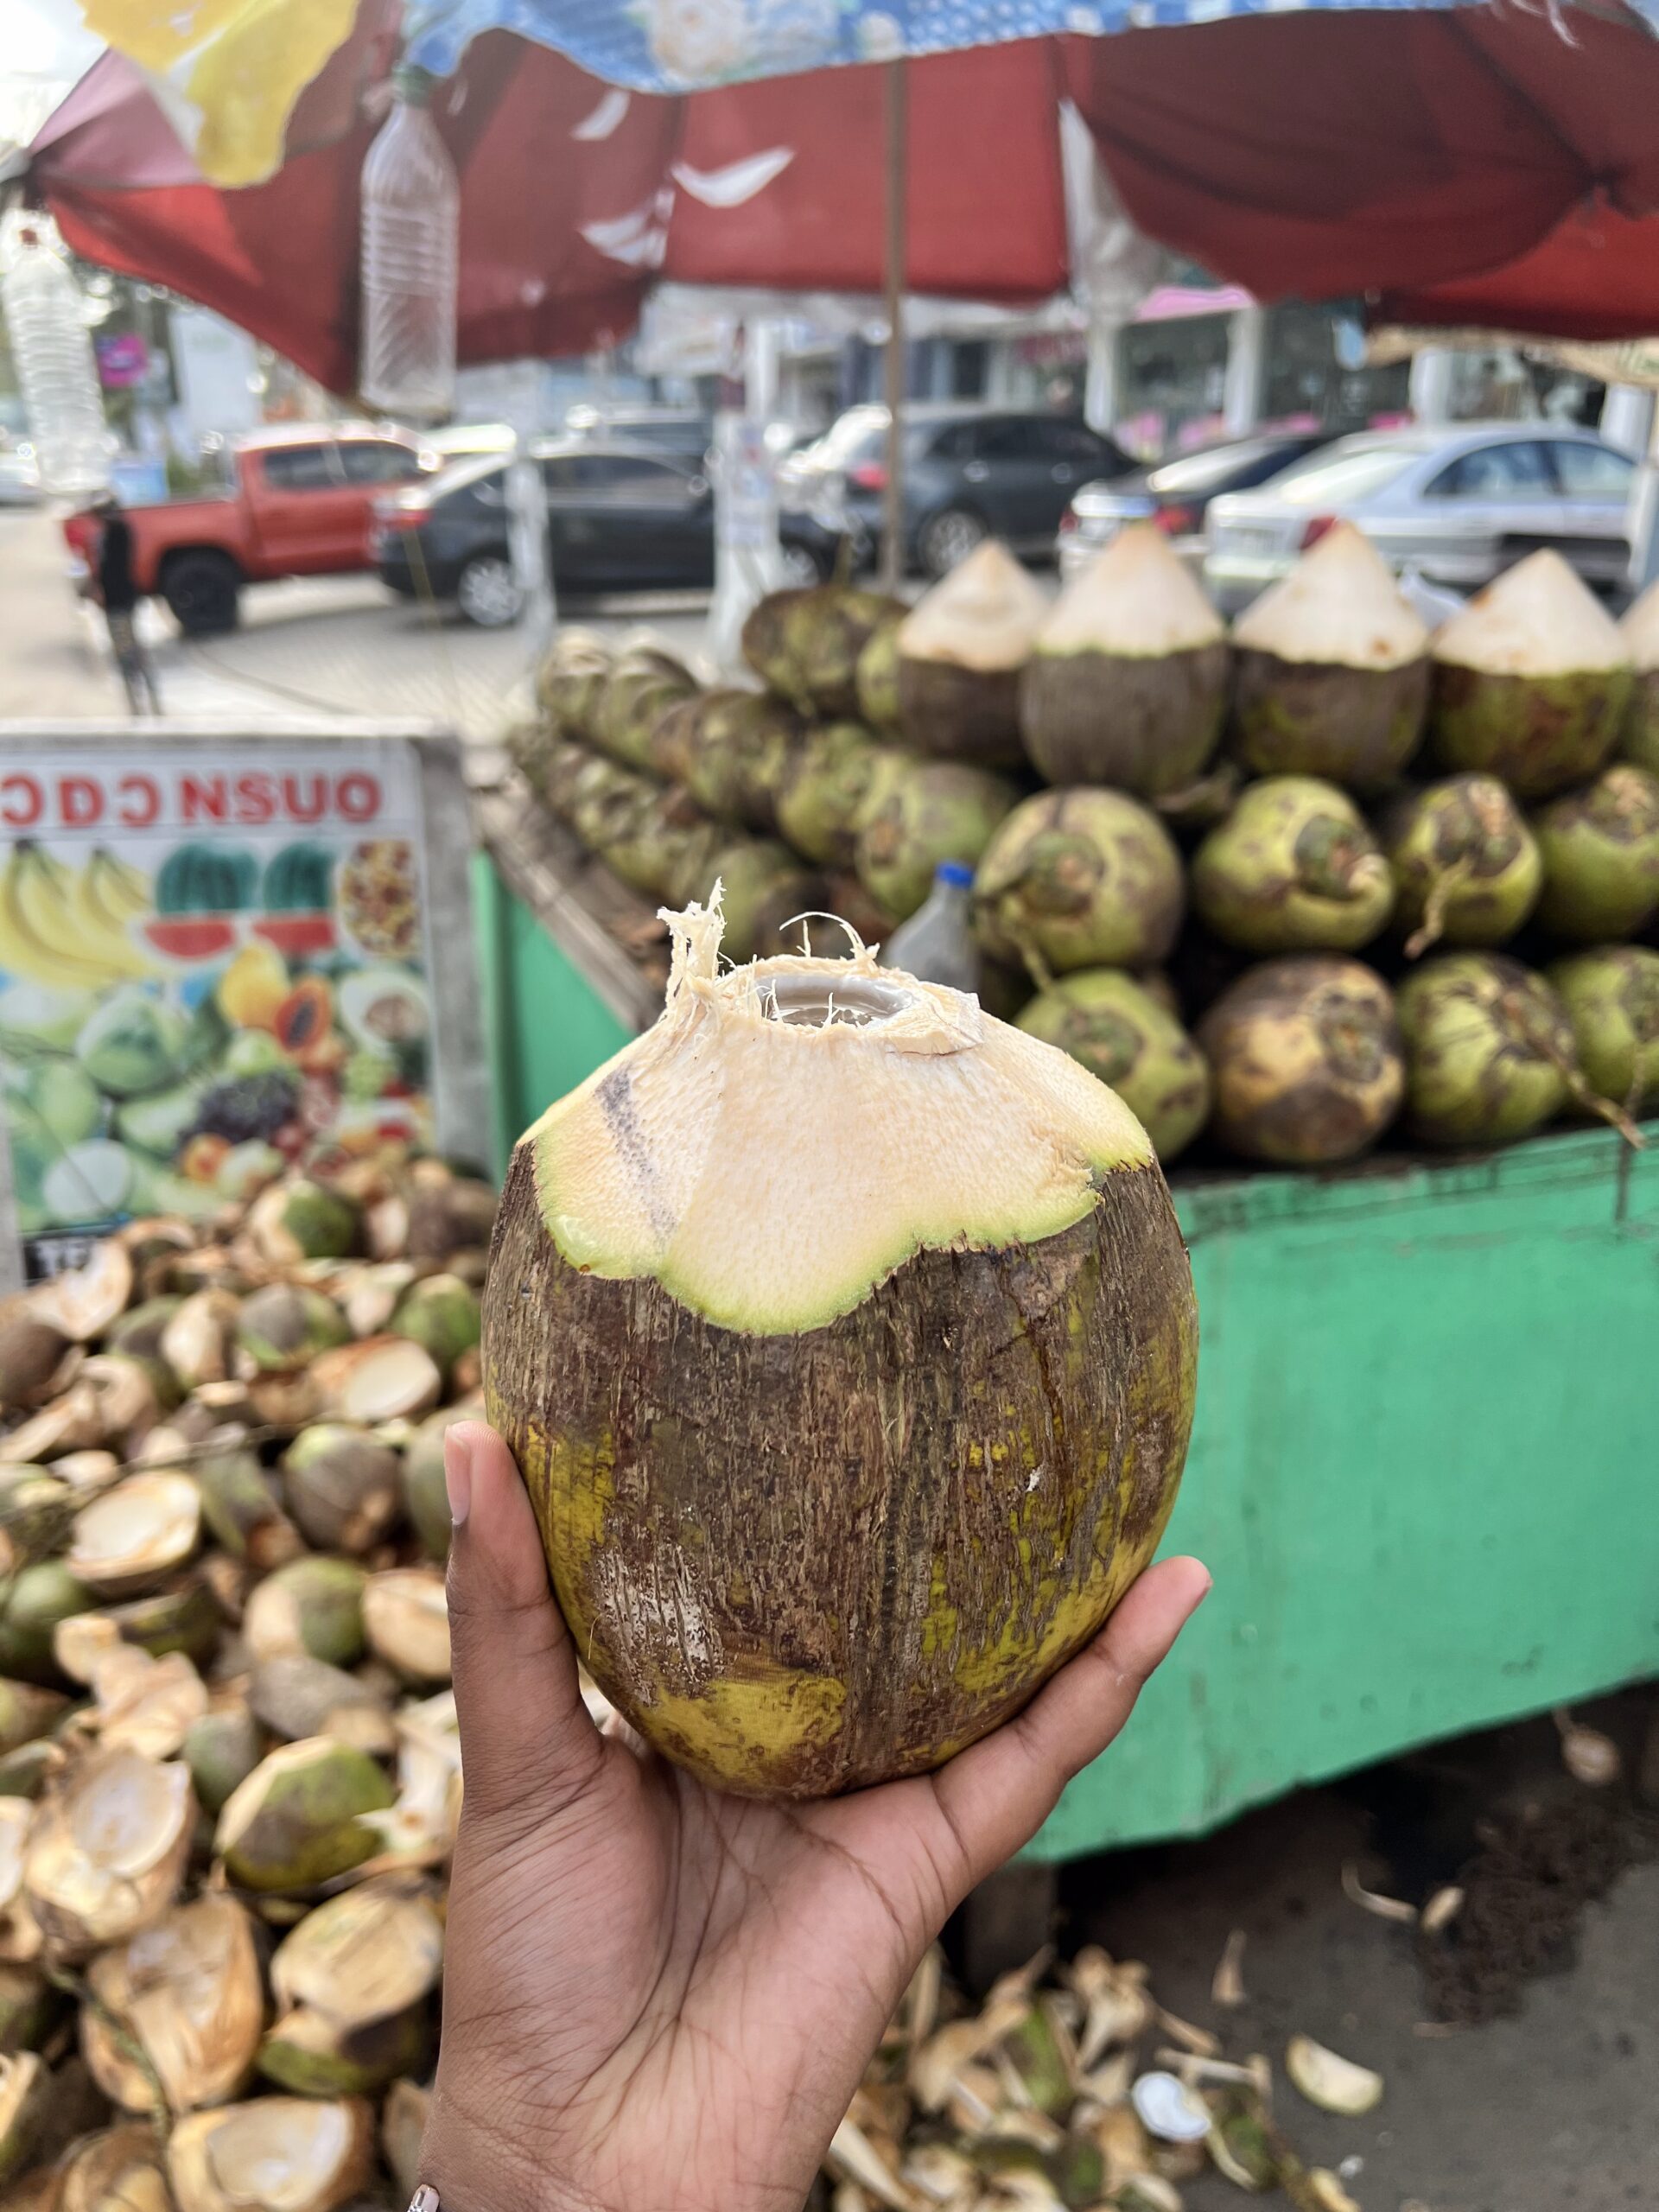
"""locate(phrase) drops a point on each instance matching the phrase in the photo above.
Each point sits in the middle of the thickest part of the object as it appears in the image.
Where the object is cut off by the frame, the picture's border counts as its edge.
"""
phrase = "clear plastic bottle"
(936, 944)
(52, 349)
(411, 251)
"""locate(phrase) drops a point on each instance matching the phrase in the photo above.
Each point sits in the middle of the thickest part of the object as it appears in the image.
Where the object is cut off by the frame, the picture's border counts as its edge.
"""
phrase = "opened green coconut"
(1307, 1060)
(1612, 997)
(1293, 869)
(929, 812)
(1330, 670)
(740, 749)
(1490, 1055)
(1466, 867)
(1600, 847)
(878, 673)
(805, 644)
(1126, 682)
(963, 1399)
(1116, 1028)
(641, 687)
(834, 782)
(961, 652)
(1079, 878)
(1639, 741)
(1531, 680)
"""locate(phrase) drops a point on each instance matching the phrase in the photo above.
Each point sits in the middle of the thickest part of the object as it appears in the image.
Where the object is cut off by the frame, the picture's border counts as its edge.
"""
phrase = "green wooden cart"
(1424, 1469)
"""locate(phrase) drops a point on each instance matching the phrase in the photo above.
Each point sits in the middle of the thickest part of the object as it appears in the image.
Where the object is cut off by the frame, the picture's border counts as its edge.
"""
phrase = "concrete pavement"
(340, 645)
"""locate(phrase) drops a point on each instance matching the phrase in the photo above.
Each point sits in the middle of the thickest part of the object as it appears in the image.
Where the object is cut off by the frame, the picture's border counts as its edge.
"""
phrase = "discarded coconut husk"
(341, 1485)
(294, 1822)
(406, 1620)
(136, 1534)
(383, 1378)
(1332, 2082)
(107, 1850)
(186, 1992)
(286, 2154)
(350, 1983)
(312, 1607)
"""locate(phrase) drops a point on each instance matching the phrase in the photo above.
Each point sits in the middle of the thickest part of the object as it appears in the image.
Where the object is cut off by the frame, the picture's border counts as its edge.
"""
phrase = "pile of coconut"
(230, 1777)
(229, 1771)
(1152, 803)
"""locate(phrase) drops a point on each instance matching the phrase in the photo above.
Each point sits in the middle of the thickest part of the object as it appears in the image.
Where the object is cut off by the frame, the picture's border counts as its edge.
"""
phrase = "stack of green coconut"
(229, 1772)
(1183, 838)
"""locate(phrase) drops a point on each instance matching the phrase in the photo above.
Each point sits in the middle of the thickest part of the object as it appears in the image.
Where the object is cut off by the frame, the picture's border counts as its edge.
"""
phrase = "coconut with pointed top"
(1126, 682)
(805, 644)
(1612, 997)
(1600, 849)
(1079, 878)
(1306, 1059)
(1330, 670)
(1531, 682)
(928, 811)
(1293, 869)
(1639, 740)
(1466, 867)
(948, 1337)
(961, 652)
(1116, 1028)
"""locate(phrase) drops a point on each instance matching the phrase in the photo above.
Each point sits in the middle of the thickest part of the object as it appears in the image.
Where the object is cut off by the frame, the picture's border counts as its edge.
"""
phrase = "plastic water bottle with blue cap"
(936, 944)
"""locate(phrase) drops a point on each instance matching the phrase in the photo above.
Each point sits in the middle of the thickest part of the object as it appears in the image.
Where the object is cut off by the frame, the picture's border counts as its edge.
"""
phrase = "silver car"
(1457, 505)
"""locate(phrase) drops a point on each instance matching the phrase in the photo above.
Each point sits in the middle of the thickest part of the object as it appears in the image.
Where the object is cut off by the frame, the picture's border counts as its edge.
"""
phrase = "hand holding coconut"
(847, 1341)
(654, 1992)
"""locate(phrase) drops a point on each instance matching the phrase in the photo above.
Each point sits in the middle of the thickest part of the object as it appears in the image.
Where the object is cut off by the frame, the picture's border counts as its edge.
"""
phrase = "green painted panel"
(1423, 1471)
(547, 1028)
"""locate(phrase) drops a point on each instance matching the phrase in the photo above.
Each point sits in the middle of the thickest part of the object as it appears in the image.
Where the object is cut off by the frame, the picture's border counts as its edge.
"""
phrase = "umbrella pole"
(893, 505)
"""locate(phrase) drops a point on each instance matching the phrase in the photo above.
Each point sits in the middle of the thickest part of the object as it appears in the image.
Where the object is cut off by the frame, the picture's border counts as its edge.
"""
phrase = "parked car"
(296, 503)
(682, 431)
(619, 517)
(970, 472)
(1460, 505)
(1175, 494)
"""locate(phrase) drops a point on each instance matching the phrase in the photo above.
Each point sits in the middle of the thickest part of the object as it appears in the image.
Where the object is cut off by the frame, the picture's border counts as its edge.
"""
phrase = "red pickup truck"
(297, 504)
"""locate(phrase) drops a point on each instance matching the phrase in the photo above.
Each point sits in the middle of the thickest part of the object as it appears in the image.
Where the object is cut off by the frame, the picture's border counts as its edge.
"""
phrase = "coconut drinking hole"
(815, 1001)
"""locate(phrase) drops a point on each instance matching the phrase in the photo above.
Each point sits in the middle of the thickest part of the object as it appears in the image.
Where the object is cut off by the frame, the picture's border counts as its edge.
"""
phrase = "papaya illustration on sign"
(205, 975)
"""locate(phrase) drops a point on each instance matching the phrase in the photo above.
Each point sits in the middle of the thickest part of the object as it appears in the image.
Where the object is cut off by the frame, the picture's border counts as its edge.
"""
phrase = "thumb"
(525, 1735)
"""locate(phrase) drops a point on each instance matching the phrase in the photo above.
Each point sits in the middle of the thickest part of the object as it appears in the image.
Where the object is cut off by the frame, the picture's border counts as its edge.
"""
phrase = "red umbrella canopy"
(1465, 165)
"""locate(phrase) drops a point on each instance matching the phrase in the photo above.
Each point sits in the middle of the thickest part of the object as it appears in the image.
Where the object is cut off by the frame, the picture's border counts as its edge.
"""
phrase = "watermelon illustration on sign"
(295, 894)
(198, 890)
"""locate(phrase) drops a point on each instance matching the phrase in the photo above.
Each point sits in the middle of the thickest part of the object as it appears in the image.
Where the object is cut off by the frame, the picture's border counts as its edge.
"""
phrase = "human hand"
(660, 1999)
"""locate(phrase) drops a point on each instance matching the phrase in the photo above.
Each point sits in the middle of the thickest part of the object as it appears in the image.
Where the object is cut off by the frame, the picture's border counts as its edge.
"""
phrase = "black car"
(970, 474)
(1176, 495)
(619, 519)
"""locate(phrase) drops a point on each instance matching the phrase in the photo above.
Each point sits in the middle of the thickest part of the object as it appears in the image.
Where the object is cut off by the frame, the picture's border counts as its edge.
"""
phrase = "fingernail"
(457, 1474)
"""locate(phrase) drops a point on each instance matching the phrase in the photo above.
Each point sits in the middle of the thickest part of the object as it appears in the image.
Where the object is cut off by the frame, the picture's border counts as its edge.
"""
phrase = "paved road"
(333, 644)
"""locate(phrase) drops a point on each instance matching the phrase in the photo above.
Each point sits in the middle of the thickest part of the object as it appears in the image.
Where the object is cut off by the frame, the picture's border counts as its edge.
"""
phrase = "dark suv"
(970, 472)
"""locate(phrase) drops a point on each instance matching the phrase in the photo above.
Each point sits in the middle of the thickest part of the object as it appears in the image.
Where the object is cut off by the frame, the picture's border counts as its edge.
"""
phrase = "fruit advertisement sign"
(214, 960)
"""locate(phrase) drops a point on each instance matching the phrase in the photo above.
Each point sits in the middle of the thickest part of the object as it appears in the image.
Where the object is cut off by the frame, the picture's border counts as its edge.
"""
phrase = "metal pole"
(893, 505)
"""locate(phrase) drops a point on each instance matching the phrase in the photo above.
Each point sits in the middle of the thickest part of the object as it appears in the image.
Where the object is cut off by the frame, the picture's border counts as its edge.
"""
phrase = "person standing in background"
(118, 596)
